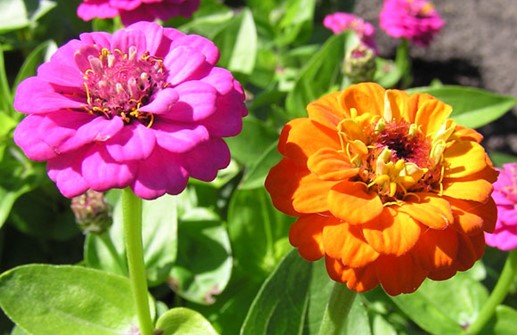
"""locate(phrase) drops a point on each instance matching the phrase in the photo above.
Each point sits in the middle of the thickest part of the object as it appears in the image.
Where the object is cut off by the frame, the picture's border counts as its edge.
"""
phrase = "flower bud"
(359, 64)
(92, 212)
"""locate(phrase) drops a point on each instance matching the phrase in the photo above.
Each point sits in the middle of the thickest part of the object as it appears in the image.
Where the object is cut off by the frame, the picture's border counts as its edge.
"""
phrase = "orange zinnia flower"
(386, 187)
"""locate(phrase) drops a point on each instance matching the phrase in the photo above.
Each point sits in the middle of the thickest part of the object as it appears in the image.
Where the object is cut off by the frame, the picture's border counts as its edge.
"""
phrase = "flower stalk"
(498, 294)
(132, 218)
(339, 305)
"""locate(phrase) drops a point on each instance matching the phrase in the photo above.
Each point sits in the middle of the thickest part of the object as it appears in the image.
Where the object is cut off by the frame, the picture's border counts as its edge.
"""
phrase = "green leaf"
(320, 292)
(33, 60)
(204, 263)
(253, 219)
(472, 107)
(8, 200)
(184, 321)
(296, 24)
(6, 99)
(499, 158)
(237, 43)
(159, 241)
(16, 14)
(504, 321)
(444, 307)
(55, 300)
(321, 74)
(256, 175)
(255, 136)
(281, 304)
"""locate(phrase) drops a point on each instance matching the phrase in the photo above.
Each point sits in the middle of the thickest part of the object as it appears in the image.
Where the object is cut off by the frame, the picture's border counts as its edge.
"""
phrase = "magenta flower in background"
(132, 11)
(339, 22)
(504, 236)
(416, 20)
(143, 108)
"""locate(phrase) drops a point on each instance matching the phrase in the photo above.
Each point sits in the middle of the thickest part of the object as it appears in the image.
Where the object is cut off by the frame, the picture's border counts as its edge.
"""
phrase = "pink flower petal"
(134, 142)
(206, 159)
(184, 63)
(102, 173)
(196, 102)
(177, 137)
(228, 120)
(123, 39)
(34, 95)
(65, 171)
(156, 178)
(163, 102)
(61, 70)
(99, 39)
(155, 43)
(102, 10)
(200, 44)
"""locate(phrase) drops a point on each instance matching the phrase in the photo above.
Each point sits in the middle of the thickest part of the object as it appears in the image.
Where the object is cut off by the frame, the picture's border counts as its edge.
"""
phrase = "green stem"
(108, 243)
(132, 214)
(498, 294)
(403, 62)
(340, 303)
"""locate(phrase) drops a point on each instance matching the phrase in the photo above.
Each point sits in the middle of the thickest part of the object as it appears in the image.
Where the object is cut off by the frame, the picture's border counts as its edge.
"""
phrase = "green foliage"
(217, 256)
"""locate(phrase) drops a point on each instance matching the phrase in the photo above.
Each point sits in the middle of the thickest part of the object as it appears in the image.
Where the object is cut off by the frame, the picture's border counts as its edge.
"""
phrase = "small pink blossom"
(340, 22)
(144, 108)
(416, 20)
(504, 236)
(132, 11)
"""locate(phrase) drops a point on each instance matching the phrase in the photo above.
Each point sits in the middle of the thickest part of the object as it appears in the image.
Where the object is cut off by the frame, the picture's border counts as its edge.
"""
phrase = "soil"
(477, 47)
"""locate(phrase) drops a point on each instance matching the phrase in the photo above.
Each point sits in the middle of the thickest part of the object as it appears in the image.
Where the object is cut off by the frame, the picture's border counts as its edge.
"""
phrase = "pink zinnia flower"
(416, 20)
(143, 108)
(339, 22)
(504, 236)
(131, 11)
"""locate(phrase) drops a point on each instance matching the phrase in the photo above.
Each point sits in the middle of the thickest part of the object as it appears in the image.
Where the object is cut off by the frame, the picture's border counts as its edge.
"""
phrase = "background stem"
(335, 317)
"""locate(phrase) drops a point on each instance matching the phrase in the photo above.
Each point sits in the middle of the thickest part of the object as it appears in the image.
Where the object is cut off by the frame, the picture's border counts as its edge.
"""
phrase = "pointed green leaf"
(281, 304)
(184, 321)
(253, 219)
(55, 300)
(204, 263)
(444, 307)
(255, 176)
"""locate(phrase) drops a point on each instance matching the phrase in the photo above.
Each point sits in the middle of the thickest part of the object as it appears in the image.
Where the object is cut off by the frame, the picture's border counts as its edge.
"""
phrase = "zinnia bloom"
(416, 20)
(385, 187)
(339, 22)
(143, 108)
(504, 236)
(132, 11)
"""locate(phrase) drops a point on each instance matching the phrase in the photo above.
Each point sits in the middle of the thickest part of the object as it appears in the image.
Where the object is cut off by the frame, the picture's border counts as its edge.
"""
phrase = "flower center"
(118, 84)
(395, 158)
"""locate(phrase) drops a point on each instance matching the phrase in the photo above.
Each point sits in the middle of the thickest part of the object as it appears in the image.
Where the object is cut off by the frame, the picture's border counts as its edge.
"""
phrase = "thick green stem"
(340, 303)
(498, 294)
(132, 214)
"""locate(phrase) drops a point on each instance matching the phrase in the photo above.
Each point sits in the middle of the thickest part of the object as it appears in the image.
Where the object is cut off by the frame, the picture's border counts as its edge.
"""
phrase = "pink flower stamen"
(118, 84)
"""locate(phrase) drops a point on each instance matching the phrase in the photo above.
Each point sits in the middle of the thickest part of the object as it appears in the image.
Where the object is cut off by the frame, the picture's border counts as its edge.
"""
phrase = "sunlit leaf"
(184, 321)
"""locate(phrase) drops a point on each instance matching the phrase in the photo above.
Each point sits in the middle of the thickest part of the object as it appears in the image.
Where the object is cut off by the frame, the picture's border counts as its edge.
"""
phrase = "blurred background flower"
(339, 22)
(415, 20)
(136, 10)
(504, 236)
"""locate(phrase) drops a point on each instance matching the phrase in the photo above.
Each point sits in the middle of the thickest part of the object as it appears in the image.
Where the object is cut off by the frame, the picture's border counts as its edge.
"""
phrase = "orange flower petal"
(311, 194)
(432, 210)
(464, 158)
(351, 202)
(282, 182)
(345, 242)
(392, 232)
(301, 138)
(443, 274)
(399, 105)
(328, 164)
(436, 249)
(476, 190)
(365, 98)
(306, 234)
(431, 114)
(470, 249)
(467, 134)
(327, 110)
(357, 279)
(399, 274)
(472, 217)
